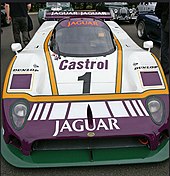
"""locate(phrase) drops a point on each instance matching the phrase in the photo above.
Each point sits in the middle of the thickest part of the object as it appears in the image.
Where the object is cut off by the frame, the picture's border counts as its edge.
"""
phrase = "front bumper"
(125, 17)
(80, 157)
(71, 126)
(156, 152)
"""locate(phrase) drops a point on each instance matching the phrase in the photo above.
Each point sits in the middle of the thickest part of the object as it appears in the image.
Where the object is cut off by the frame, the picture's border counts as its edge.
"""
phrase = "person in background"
(18, 13)
(162, 12)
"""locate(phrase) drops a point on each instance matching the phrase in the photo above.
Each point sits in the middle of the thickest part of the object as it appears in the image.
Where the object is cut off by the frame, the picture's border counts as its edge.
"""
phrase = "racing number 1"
(87, 80)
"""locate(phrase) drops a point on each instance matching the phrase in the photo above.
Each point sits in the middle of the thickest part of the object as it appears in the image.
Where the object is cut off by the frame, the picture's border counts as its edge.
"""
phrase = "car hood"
(38, 71)
(153, 17)
(79, 75)
(73, 74)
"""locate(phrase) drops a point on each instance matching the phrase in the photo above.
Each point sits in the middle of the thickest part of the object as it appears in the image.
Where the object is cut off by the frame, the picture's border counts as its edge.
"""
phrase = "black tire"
(141, 32)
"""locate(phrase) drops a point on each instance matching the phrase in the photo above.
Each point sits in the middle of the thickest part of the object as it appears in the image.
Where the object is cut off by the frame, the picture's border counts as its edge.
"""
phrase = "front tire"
(141, 32)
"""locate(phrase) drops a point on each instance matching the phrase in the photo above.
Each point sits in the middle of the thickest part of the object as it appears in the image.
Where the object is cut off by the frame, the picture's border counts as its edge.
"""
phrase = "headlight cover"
(155, 107)
(19, 114)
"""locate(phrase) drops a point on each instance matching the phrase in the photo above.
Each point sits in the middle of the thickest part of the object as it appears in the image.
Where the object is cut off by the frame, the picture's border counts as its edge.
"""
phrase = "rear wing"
(58, 15)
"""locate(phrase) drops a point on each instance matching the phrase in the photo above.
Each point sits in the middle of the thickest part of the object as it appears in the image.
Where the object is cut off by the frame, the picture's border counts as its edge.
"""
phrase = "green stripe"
(83, 157)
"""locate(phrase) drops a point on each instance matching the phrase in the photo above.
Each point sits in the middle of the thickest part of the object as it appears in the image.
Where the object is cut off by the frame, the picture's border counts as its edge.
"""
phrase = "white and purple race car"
(83, 93)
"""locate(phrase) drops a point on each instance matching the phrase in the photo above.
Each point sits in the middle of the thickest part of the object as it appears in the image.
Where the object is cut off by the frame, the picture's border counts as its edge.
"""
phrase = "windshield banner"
(60, 14)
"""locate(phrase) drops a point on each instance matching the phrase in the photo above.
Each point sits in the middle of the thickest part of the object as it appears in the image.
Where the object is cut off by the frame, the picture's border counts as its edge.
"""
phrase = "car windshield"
(82, 37)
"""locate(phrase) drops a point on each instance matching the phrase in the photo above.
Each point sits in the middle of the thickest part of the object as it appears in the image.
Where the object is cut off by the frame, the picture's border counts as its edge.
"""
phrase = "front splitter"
(84, 157)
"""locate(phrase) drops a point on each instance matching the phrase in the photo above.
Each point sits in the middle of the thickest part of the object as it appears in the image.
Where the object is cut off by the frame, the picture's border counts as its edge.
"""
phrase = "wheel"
(141, 30)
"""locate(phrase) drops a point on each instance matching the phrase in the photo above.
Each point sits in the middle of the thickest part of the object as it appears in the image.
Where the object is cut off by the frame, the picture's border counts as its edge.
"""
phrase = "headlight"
(156, 109)
(115, 11)
(19, 114)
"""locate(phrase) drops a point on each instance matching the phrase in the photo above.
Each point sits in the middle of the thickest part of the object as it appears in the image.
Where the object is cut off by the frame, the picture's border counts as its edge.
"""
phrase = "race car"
(83, 93)
(53, 7)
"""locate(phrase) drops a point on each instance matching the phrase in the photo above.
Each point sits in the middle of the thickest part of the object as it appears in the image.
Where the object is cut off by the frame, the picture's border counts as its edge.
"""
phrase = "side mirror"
(148, 45)
(16, 47)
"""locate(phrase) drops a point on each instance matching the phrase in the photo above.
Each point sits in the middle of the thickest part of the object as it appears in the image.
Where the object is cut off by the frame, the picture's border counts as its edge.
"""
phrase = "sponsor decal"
(134, 64)
(87, 64)
(81, 125)
(25, 70)
(68, 119)
(56, 56)
(35, 66)
(78, 13)
(82, 23)
(146, 67)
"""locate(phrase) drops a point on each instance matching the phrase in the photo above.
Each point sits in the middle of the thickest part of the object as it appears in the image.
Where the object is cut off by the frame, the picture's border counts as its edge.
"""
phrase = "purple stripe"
(127, 109)
(134, 108)
(108, 107)
(140, 108)
(33, 108)
(68, 110)
(49, 112)
(21, 81)
(42, 110)
(151, 78)
(35, 111)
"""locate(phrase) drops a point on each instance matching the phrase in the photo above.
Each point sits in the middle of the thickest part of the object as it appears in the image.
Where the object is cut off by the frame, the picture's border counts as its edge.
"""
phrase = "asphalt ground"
(151, 169)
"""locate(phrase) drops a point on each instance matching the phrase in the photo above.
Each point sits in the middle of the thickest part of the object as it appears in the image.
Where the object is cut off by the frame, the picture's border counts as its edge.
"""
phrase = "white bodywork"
(103, 81)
